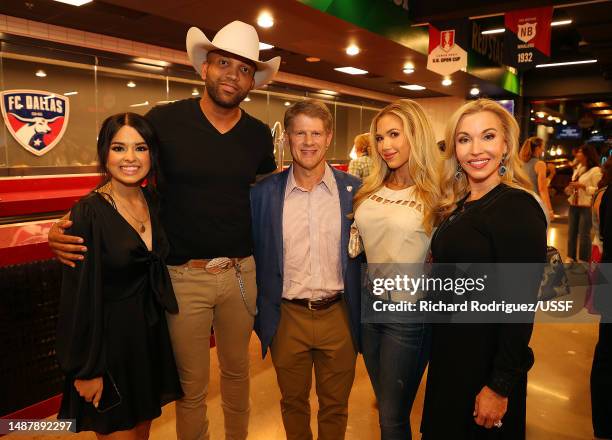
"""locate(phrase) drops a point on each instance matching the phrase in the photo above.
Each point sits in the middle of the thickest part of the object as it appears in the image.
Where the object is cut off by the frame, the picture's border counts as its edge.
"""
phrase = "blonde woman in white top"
(396, 211)
(580, 190)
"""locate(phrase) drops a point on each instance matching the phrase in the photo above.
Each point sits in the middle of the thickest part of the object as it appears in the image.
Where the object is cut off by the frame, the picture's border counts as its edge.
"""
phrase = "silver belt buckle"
(310, 305)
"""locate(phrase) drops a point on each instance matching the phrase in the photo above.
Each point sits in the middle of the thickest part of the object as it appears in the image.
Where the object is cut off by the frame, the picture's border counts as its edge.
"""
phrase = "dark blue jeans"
(395, 356)
(579, 227)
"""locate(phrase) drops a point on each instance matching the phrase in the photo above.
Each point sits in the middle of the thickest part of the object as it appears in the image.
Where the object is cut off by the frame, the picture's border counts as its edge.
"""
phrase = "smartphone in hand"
(111, 398)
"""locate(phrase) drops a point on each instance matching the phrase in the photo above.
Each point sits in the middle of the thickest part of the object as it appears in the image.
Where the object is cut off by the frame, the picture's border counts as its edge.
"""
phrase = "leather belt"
(319, 304)
(217, 267)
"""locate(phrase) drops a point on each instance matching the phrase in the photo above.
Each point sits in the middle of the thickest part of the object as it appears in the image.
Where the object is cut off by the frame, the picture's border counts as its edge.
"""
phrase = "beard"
(212, 88)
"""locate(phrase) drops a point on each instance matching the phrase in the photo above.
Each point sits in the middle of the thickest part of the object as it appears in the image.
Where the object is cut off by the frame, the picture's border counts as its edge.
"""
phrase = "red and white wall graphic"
(36, 119)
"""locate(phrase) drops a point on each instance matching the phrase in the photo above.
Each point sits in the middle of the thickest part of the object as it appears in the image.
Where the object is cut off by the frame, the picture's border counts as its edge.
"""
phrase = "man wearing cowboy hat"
(210, 153)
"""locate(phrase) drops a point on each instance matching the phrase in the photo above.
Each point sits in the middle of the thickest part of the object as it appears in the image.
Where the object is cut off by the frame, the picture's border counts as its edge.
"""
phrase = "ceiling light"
(561, 22)
(41, 73)
(494, 31)
(287, 103)
(265, 20)
(414, 87)
(564, 122)
(567, 63)
(531, 111)
(603, 112)
(352, 50)
(195, 92)
(550, 118)
(541, 114)
(247, 99)
(131, 84)
(447, 82)
(532, 119)
(71, 93)
(313, 59)
(265, 46)
(502, 30)
(475, 91)
(141, 104)
(559, 151)
(351, 70)
(328, 92)
(75, 2)
(594, 132)
(597, 104)
(408, 68)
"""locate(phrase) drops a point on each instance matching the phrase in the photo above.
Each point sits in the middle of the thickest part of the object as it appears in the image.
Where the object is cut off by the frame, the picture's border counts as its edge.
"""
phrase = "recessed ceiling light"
(564, 122)
(475, 91)
(265, 46)
(352, 50)
(71, 93)
(247, 99)
(594, 132)
(287, 103)
(75, 2)
(41, 73)
(414, 87)
(550, 118)
(408, 68)
(541, 114)
(131, 84)
(328, 92)
(447, 82)
(265, 20)
(195, 92)
(531, 111)
(313, 59)
(351, 70)
(532, 119)
(567, 63)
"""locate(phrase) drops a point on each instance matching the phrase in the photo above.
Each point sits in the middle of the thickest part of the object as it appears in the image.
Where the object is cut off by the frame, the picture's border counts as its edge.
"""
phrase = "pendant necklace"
(142, 227)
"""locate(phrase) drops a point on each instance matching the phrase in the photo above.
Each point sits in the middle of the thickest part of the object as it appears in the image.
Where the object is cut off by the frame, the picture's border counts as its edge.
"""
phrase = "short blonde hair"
(312, 108)
(454, 189)
(423, 162)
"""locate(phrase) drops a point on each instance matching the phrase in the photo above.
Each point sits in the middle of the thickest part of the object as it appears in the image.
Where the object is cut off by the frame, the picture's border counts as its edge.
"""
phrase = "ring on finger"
(498, 424)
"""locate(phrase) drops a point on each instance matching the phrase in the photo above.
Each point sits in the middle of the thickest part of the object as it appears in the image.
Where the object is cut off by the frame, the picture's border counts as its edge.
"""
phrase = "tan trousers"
(321, 338)
(206, 300)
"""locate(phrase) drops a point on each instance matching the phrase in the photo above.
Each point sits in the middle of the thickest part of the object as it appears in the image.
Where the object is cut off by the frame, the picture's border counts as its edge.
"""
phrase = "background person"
(362, 166)
(580, 190)
(531, 154)
(395, 212)
(477, 377)
(112, 339)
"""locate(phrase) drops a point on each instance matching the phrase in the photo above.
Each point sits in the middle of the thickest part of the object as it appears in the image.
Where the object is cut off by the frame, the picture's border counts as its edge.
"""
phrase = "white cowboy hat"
(238, 38)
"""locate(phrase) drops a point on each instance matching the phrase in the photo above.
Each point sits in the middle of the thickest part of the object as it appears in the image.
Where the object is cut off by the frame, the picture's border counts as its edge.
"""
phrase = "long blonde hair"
(423, 162)
(454, 189)
(529, 146)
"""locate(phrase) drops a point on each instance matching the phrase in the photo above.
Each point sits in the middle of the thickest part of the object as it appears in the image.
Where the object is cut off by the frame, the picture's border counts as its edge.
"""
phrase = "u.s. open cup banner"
(448, 44)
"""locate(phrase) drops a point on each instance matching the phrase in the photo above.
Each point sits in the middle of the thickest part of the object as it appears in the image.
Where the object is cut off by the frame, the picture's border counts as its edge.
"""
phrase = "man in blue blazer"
(308, 287)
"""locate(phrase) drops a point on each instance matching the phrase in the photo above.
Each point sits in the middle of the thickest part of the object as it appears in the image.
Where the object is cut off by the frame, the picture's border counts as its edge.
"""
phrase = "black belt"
(319, 304)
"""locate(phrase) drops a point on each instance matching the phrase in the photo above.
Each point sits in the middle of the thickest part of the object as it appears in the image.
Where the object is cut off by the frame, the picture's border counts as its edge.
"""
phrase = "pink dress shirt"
(311, 239)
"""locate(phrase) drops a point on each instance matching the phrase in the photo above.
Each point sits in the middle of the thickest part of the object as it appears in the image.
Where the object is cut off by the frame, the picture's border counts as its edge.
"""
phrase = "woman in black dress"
(477, 378)
(112, 339)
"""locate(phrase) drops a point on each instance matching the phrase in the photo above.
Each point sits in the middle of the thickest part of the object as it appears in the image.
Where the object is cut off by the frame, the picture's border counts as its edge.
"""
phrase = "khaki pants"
(321, 338)
(204, 300)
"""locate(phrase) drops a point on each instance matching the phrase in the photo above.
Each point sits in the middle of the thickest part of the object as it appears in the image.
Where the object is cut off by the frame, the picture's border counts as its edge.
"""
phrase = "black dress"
(112, 321)
(505, 225)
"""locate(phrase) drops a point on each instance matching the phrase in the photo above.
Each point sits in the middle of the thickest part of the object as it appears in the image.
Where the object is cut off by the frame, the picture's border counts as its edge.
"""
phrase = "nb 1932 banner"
(448, 46)
(527, 37)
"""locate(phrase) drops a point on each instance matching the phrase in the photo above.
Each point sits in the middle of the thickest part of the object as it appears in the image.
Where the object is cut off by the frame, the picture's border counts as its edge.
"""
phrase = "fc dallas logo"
(35, 118)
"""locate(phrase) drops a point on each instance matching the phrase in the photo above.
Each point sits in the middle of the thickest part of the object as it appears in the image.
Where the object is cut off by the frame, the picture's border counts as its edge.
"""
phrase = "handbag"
(355, 245)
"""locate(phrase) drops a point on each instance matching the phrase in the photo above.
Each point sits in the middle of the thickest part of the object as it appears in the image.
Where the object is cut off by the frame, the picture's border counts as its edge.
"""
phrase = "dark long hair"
(591, 155)
(111, 126)
(607, 174)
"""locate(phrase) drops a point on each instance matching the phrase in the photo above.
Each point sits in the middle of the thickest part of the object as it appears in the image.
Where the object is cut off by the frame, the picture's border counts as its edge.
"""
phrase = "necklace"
(142, 227)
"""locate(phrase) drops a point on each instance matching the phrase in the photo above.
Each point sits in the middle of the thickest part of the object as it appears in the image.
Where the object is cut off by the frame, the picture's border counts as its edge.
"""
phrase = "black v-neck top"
(205, 205)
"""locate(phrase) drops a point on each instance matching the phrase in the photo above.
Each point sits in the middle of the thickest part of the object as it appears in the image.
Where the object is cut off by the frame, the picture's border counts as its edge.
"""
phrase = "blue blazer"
(267, 201)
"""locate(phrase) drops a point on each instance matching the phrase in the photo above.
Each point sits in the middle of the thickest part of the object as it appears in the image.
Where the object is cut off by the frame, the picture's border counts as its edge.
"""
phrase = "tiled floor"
(558, 394)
